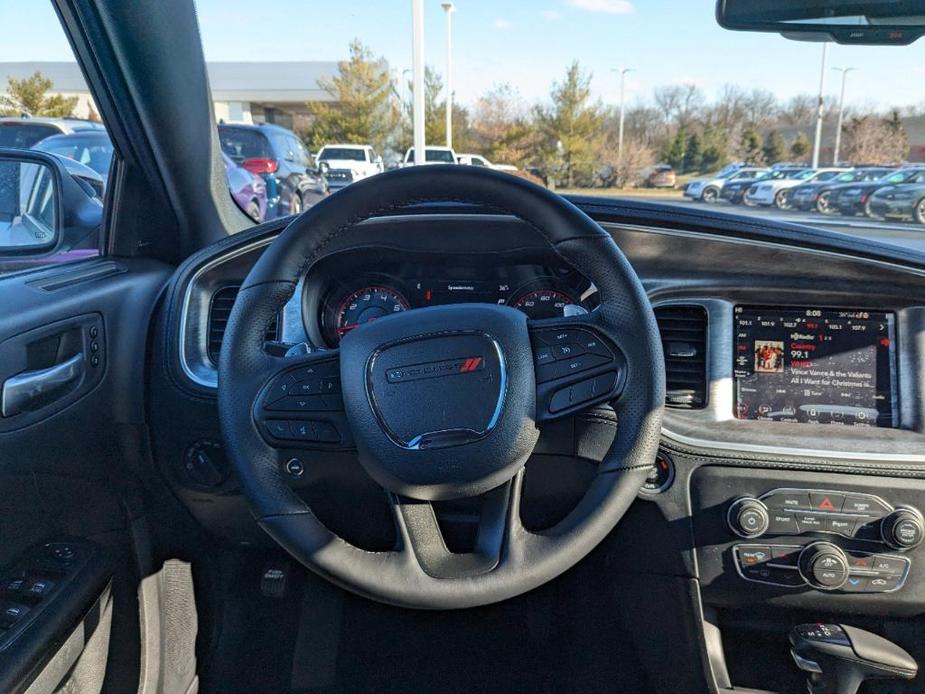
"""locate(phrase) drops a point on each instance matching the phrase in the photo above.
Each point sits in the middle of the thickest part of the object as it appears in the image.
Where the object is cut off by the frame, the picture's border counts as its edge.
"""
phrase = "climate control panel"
(821, 565)
(866, 517)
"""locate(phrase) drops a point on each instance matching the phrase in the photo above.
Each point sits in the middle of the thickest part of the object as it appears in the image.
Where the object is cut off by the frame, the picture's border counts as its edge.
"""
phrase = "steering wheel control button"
(279, 428)
(295, 467)
(748, 517)
(560, 353)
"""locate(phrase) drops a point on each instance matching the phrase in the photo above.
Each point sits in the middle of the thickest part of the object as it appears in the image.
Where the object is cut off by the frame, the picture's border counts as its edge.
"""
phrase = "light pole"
(417, 42)
(449, 8)
(819, 108)
(622, 71)
(841, 111)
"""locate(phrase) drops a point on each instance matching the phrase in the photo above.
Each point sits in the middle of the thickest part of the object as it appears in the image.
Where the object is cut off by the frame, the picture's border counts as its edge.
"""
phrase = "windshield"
(348, 153)
(24, 135)
(704, 102)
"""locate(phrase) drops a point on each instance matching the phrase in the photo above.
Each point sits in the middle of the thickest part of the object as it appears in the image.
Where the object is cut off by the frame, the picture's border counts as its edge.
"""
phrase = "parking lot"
(904, 234)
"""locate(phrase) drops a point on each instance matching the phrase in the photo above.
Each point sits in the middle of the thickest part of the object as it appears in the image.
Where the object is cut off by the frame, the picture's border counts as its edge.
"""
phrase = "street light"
(622, 71)
(841, 111)
(819, 108)
(417, 44)
(449, 8)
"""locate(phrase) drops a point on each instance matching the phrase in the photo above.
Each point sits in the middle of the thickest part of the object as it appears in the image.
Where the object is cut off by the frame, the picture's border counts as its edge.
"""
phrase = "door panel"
(72, 354)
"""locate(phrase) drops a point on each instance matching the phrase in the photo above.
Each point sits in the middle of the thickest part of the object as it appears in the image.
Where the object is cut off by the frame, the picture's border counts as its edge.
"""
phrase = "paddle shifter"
(837, 658)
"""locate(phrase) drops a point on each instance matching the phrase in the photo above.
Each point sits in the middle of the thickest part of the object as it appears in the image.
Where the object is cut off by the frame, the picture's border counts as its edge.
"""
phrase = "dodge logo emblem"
(435, 369)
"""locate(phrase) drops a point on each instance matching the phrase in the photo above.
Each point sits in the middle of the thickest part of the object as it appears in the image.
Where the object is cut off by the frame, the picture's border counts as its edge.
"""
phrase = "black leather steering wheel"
(442, 402)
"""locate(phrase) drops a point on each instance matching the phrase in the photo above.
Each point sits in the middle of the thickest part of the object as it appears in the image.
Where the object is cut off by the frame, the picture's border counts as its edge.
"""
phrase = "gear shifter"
(838, 658)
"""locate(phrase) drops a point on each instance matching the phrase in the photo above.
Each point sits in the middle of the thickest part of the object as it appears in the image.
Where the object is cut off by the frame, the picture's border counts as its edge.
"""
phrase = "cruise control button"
(826, 501)
(808, 522)
(567, 351)
(559, 337)
(790, 501)
(782, 523)
(888, 565)
(865, 504)
(840, 524)
(594, 345)
(543, 355)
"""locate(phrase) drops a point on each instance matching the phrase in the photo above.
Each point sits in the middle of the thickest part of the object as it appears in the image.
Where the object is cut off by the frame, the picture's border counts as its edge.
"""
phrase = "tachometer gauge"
(544, 303)
(365, 305)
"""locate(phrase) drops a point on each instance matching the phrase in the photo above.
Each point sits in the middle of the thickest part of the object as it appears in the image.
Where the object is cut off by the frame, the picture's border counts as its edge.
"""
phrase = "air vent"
(222, 303)
(684, 341)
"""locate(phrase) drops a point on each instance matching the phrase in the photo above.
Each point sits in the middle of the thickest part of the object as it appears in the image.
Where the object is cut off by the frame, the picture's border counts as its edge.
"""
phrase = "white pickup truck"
(361, 160)
(432, 155)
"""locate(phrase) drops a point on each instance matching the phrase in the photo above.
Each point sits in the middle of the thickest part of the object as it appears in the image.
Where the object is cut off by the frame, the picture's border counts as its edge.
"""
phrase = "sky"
(527, 43)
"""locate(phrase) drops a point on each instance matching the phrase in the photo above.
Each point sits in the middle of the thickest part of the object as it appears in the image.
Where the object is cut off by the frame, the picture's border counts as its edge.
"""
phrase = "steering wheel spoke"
(497, 531)
(300, 405)
(576, 365)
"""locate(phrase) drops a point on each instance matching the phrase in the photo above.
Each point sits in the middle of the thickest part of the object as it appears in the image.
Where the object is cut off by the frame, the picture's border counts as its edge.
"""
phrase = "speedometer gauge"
(365, 305)
(543, 303)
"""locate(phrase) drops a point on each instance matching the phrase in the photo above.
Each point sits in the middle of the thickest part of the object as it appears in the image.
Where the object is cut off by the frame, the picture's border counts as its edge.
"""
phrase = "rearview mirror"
(875, 22)
(48, 205)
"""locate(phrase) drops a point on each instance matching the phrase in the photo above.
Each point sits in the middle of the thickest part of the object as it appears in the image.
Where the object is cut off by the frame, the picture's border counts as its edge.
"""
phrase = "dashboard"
(793, 438)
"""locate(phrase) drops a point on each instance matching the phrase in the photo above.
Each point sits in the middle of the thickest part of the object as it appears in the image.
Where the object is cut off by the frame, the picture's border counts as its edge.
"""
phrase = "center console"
(783, 534)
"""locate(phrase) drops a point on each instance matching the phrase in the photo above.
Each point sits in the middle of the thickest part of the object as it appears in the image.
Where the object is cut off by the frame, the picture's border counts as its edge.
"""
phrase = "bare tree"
(760, 108)
(871, 139)
(667, 99)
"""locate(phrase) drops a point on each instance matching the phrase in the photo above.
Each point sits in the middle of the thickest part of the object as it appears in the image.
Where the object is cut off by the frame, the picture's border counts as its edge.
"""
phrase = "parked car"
(815, 195)
(853, 198)
(902, 200)
(278, 156)
(91, 148)
(709, 189)
(432, 155)
(777, 191)
(248, 190)
(734, 191)
(24, 132)
(659, 176)
(346, 163)
(479, 160)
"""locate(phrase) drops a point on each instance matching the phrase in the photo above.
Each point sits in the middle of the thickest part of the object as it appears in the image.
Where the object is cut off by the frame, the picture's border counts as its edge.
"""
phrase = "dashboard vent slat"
(219, 312)
(684, 340)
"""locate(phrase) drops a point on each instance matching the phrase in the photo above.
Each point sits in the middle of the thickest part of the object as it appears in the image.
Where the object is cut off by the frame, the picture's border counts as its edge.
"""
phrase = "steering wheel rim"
(420, 573)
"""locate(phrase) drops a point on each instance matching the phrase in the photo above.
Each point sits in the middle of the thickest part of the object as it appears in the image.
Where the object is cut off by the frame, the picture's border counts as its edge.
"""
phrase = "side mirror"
(44, 209)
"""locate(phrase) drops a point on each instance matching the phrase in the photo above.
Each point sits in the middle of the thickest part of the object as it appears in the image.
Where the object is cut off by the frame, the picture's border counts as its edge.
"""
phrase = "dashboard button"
(856, 584)
(884, 583)
(782, 523)
(867, 528)
(808, 522)
(785, 556)
(826, 501)
(888, 565)
(863, 562)
(751, 555)
(791, 501)
(843, 525)
(864, 504)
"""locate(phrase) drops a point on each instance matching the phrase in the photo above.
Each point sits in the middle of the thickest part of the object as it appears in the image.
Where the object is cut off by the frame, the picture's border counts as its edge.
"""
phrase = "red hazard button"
(826, 501)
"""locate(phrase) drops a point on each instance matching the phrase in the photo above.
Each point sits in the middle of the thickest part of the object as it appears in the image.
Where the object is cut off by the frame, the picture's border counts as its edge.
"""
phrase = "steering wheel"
(442, 402)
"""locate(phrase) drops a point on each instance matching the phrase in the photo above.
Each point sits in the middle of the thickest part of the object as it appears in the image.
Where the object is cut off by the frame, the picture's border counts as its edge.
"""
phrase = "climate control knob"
(824, 566)
(903, 529)
(748, 517)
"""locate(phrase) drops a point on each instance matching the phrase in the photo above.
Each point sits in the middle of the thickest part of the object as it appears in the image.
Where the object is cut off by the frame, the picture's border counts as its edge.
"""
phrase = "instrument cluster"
(540, 292)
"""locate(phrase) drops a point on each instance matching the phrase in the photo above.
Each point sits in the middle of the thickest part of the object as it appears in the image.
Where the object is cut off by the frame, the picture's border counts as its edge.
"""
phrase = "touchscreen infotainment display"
(823, 366)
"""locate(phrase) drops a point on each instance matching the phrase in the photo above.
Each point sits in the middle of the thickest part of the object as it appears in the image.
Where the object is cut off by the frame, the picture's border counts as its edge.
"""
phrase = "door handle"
(25, 388)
